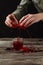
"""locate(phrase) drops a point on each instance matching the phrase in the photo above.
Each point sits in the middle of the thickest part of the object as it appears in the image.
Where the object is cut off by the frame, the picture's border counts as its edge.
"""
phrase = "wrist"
(41, 16)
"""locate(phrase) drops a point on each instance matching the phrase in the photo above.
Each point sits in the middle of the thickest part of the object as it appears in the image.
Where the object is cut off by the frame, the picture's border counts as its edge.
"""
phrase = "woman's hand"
(11, 21)
(30, 19)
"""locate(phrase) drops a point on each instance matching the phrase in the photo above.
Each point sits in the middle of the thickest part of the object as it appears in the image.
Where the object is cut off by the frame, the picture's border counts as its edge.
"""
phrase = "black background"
(7, 7)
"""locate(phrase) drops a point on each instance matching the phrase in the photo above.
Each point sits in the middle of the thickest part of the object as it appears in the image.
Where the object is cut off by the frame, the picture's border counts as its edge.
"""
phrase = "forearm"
(21, 9)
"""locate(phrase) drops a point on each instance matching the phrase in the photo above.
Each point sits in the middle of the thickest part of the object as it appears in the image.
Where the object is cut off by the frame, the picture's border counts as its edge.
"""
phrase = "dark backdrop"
(8, 6)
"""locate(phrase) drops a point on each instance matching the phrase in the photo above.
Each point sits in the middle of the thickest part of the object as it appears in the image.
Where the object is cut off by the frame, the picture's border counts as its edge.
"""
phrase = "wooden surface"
(9, 57)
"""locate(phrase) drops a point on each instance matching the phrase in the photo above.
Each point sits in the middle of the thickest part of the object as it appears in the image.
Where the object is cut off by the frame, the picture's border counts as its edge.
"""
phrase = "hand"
(11, 21)
(30, 19)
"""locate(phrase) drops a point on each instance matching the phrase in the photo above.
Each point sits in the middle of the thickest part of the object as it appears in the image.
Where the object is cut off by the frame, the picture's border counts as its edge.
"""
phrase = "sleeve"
(21, 9)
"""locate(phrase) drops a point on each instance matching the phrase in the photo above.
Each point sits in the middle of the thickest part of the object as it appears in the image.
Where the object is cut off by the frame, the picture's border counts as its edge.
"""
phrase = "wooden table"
(16, 57)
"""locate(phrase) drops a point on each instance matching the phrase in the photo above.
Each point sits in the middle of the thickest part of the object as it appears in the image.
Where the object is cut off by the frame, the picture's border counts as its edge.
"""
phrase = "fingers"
(26, 20)
(29, 22)
(8, 22)
(13, 18)
(11, 21)
(22, 19)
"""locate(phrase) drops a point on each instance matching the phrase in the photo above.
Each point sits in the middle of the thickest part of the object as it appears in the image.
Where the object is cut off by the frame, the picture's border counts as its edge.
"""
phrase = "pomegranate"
(17, 44)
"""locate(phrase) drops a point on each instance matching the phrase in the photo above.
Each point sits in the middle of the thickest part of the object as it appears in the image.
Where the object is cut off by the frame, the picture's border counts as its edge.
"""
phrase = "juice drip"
(18, 44)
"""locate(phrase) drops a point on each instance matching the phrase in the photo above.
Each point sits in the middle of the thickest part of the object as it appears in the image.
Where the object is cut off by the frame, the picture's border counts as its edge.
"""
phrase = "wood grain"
(11, 57)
